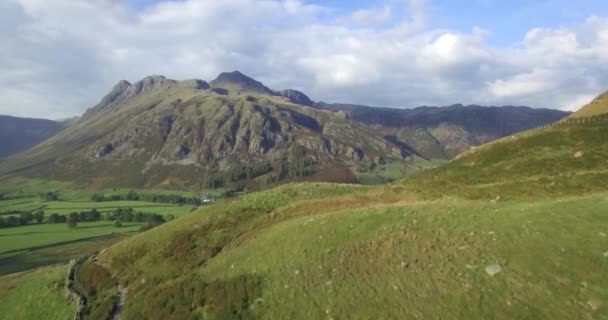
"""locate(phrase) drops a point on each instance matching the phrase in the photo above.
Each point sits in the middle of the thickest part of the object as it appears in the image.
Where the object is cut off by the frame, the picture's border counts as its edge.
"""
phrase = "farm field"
(31, 246)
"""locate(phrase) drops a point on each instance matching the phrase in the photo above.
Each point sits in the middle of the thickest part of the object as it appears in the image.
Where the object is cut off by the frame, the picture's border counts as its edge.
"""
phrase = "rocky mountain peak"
(235, 80)
(297, 97)
(194, 84)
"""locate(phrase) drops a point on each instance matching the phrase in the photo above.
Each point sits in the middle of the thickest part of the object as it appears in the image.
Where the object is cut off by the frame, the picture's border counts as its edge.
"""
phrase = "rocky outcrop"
(236, 81)
(70, 289)
(297, 97)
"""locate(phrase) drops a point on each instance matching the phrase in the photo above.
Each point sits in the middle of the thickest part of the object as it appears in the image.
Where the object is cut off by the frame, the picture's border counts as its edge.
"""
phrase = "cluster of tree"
(23, 219)
(50, 196)
(130, 215)
(300, 164)
(247, 173)
(159, 198)
(121, 215)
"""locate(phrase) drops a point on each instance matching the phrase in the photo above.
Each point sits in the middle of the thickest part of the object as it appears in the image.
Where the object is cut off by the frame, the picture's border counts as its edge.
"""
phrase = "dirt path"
(122, 293)
(122, 296)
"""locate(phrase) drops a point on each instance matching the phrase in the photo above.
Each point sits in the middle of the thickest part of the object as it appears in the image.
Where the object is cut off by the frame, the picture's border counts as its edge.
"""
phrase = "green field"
(34, 245)
(31, 246)
(35, 295)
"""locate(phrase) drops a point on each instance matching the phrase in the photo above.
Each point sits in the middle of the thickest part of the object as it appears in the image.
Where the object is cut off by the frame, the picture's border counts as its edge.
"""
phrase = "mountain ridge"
(234, 130)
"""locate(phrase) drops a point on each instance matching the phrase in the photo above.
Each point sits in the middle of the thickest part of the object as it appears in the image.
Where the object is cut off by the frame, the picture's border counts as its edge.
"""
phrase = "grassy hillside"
(35, 295)
(596, 107)
(566, 159)
(319, 251)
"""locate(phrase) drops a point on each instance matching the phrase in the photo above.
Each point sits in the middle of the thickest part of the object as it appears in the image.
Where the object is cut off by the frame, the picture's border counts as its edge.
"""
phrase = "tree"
(2, 222)
(132, 196)
(97, 197)
(12, 221)
(39, 216)
(56, 218)
(117, 224)
(25, 218)
(72, 220)
(51, 196)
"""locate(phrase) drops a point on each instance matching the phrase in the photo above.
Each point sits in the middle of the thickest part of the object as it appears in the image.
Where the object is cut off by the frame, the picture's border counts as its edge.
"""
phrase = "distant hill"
(444, 132)
(19, 134)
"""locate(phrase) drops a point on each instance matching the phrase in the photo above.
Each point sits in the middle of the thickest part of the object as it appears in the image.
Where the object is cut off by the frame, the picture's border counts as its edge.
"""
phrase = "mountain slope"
(444, 132)
(183, 133)
(416, 249)
(19, 134)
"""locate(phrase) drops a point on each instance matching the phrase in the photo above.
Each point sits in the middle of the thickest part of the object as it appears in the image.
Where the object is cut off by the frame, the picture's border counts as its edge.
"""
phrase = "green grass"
(534, 164)
(35, 295)
(39, 235)
(32, 246)
(392, 171)
(53, 254)
(328, 248)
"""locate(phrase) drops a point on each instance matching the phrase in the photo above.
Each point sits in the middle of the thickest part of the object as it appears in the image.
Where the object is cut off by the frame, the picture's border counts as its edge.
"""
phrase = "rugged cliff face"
(444, 132)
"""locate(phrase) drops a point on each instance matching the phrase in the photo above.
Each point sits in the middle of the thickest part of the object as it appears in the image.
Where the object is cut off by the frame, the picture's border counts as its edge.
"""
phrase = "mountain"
(237, 133)
(19, 134)
(236, 81)
(444, 132)
(596, 107)
(507, 217)
(162, 132)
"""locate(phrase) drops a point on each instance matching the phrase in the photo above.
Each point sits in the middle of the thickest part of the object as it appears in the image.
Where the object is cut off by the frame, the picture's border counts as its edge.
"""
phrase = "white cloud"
(370, 16)
(58, 58)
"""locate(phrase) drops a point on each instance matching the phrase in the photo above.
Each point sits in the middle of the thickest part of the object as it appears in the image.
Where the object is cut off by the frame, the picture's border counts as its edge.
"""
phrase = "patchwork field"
(35, 244)
(31, 246)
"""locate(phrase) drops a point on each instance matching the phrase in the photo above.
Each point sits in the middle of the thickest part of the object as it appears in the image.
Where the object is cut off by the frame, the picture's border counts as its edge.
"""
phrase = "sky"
(60, 57)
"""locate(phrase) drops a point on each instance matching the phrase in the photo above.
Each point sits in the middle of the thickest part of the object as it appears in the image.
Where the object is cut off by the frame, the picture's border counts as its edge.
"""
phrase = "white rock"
(493, 269)
(579, 154)
(605, 254)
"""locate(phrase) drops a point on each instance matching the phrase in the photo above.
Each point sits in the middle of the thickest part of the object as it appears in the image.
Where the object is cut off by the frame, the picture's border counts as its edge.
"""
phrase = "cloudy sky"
(57, 58)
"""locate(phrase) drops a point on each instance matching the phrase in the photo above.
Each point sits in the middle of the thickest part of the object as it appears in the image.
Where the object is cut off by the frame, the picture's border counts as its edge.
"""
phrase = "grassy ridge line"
(325, 252)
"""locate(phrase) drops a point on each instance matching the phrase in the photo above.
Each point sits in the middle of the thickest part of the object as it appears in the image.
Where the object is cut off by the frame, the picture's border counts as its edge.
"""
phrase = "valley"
(515, 227)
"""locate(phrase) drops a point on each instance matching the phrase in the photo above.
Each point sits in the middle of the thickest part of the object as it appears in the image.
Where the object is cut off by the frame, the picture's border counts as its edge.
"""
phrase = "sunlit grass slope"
(565, 159)
(35, 295)
(329, 251)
